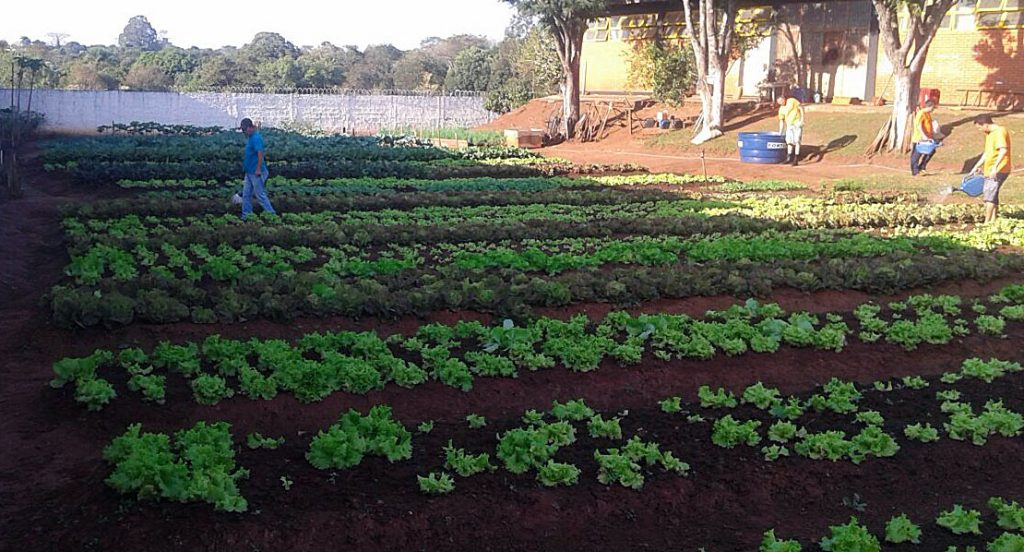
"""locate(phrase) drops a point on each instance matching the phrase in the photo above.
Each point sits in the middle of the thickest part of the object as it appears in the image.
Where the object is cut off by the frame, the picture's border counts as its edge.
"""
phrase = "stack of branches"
(885, 140)
(593, 122)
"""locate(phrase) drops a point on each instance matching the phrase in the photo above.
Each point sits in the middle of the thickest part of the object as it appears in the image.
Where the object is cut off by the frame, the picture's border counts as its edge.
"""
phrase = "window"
(999, 14)
(961, 17)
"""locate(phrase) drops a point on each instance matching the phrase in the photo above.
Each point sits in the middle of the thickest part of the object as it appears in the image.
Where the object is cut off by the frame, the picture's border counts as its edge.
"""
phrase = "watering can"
(972, 185)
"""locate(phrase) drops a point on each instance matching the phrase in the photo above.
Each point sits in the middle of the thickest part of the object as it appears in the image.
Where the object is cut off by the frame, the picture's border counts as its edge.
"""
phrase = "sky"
(216, 23)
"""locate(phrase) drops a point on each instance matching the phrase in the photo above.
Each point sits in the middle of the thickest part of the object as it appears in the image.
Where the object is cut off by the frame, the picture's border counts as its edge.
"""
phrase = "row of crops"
(515, 248)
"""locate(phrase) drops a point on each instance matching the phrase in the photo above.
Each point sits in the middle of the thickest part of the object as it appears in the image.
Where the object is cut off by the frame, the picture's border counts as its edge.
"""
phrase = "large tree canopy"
(138, 33)
(907, 53)
(567, 21)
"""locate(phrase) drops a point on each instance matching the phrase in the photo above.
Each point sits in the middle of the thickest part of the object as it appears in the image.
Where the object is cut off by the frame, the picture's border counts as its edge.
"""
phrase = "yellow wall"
(957, 59)
(604, 65)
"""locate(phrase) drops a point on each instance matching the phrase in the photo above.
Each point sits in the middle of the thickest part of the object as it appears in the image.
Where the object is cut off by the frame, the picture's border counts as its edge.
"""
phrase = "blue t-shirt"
(253, 146)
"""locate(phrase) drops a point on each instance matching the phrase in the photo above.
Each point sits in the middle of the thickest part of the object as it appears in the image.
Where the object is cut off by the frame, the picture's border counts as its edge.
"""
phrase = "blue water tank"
(762, 147)
(804, 95)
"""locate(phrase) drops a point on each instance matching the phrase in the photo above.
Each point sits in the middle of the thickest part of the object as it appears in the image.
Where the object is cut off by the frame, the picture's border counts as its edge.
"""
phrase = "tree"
(91, 75)
(57, 38)
(665, 69)
(373, 68)
(710, 37)
(268, 46)
(567, 20)
(471, 70)
(907, 55)
(147, 77)
(418, 69)
(215, 71)
(138, 33)
(326, 65)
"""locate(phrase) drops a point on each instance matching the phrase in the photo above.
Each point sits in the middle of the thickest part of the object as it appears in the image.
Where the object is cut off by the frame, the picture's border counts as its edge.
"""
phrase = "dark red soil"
(52, 494)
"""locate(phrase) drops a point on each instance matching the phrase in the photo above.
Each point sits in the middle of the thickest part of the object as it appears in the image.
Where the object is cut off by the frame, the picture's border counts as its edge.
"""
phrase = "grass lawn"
(845, 132)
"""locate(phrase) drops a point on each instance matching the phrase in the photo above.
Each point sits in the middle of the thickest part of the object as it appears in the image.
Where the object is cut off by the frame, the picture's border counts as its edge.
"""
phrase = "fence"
(337, 110)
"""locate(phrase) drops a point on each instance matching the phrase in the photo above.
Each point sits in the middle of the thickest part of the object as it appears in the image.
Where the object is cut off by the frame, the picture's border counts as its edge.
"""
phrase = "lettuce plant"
(924, 433)
(555, 473)
(1007, 542)
(258, 441)
(436, 483)
(900, 529)
(728, 432)
(209, 389)
(771, 543)
(719, 398)
(1011, 514)
(476, 421)
(607, 429)
(851, 537)
(466, 464)
(960, 521)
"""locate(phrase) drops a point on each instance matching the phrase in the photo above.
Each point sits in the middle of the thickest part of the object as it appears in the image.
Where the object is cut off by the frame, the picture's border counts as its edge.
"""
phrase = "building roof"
(638, 7)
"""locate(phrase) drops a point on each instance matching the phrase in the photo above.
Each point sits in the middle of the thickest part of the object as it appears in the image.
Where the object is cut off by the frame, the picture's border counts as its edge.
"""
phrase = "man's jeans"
(918, 161)
(254, 183)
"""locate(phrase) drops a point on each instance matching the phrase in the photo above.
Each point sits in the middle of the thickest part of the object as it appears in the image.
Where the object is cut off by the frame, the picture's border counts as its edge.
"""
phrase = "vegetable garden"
(484, 348)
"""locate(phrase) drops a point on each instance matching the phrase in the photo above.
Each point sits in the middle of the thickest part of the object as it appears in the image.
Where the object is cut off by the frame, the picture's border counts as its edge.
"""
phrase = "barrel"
(762, 147)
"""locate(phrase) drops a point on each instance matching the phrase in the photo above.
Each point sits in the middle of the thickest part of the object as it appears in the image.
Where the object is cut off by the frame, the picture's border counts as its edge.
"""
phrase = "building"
(830, 47)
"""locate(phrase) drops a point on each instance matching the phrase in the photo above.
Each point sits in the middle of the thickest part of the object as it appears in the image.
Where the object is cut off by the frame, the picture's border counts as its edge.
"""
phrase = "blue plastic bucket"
(926, 148)
(762, 147)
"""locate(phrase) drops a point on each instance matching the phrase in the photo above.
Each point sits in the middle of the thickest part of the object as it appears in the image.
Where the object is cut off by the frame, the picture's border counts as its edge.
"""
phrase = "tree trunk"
(907, 55)
(710, 36)
(903, 105)
(571, 98)
(713, 122)
(569, 38)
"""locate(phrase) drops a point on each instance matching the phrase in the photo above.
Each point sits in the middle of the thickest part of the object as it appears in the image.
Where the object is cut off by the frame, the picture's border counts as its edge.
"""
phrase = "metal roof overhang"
(641, 7)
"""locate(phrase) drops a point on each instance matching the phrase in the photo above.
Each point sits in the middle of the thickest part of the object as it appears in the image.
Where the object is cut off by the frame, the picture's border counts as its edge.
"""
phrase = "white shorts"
(794, 134)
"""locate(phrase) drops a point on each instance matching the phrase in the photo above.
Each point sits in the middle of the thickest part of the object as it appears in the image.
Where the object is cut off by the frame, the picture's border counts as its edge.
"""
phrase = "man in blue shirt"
(255, 166)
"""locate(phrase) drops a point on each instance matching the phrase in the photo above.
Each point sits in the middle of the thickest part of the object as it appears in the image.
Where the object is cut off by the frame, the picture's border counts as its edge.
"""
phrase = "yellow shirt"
(922, 119)
(791, 112)
(997, 139)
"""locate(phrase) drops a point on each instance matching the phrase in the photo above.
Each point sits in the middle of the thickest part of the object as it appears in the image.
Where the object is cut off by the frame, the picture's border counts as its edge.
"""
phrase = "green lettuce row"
(319, 364)
(379, 201)
(555, 256)
(162, 297)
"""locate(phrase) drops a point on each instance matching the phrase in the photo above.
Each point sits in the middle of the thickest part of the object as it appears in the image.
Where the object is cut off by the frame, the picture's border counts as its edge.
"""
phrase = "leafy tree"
(177, 64)
(418, 69)
(471, 70)
(279, 74)
(138, 33)
(268, 46)
(326, 65)
(665, 69)
(91, 75)
(567, 20)
(213, 72)
(711, 33)
(147, 77)
(373, 68)
(907, 53)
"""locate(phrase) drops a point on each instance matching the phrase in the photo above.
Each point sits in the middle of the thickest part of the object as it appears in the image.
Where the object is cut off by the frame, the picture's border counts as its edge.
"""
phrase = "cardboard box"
(532, 138)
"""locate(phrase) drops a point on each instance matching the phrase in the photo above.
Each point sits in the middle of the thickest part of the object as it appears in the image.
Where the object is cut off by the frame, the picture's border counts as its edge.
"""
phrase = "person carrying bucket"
(791, 123)
(923, 138)
(994, 163)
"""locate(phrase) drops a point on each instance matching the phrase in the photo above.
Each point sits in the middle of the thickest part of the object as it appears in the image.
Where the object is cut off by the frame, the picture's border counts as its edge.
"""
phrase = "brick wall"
(978, 59)
(957, 58)
(83, 111)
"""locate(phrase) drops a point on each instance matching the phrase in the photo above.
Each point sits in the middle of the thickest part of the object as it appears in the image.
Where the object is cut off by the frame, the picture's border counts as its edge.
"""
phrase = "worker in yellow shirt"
(994, 164)
(923, 132)
(791, 123)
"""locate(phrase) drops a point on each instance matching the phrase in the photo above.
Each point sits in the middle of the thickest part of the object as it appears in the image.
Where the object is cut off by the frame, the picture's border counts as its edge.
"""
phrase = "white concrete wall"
(83, 111)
